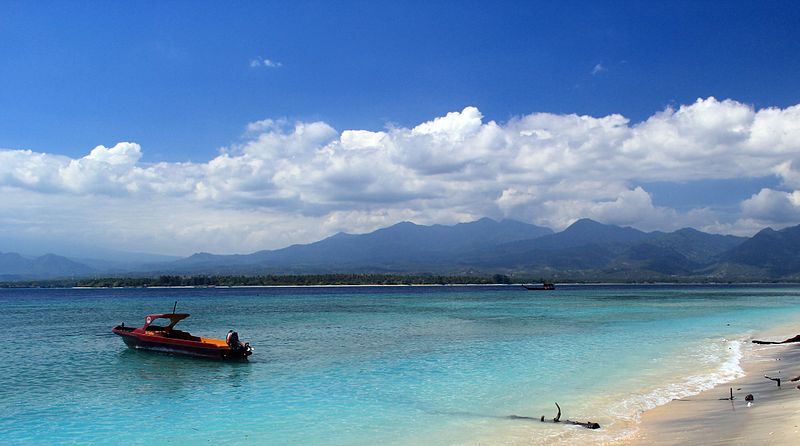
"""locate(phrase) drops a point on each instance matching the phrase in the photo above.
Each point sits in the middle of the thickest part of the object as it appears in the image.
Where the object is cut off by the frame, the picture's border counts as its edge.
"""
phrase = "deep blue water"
(368, 365)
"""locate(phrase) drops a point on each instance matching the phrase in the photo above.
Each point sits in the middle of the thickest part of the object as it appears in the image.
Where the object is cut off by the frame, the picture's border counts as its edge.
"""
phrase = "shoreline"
(707, 418)
(399, 285)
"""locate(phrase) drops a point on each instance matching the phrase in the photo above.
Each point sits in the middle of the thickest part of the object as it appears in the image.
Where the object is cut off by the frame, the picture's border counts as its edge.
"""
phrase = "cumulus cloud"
(292, 182)
(104, 170)
(599, 68)
(259, 62)
(772, 207)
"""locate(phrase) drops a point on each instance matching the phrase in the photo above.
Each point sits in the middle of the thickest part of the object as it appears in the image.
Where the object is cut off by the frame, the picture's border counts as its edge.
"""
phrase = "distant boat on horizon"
(545, 286)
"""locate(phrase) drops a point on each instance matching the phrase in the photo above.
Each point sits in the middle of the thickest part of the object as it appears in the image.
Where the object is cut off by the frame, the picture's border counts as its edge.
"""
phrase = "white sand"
(772, 418)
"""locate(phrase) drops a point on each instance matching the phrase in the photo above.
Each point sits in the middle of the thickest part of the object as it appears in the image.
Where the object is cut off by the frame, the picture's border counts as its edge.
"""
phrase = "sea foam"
(726, 353)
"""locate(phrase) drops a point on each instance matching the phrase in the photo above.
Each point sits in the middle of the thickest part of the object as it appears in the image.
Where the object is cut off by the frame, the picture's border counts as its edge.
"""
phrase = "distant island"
(476, 252)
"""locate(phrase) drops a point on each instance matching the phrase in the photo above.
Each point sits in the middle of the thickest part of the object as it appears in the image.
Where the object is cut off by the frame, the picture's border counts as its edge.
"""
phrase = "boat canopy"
(174, 318)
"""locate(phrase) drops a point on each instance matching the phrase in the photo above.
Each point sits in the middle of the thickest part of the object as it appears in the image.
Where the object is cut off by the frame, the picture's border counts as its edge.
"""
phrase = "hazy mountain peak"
(201, 255)
(482, 221)
(588, 223)
(773, 251)
(404, 224)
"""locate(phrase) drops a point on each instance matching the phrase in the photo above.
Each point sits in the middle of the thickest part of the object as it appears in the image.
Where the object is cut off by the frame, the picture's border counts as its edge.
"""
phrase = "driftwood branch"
(787, 341)
(557, 419)
(778, 380)
(731, 397)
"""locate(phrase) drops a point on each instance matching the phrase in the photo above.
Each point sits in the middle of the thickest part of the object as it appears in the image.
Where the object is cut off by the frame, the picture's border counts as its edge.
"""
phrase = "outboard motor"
(237, 348)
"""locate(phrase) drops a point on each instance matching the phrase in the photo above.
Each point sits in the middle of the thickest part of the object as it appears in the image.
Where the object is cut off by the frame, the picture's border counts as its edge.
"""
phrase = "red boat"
(165, 338)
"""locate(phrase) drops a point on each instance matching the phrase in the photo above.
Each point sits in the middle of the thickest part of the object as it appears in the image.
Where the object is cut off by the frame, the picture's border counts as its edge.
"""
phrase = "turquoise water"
(370, 365)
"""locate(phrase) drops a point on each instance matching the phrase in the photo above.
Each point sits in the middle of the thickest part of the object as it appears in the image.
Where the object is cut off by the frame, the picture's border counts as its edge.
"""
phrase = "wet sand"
(772, 418)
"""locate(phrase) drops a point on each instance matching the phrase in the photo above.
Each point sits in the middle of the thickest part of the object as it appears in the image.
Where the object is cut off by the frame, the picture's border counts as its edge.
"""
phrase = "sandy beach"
(773, 416)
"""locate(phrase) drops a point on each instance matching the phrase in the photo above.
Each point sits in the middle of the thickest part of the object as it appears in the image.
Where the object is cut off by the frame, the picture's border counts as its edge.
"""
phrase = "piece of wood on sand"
(557, 419)
(731, 398)
(787, 341)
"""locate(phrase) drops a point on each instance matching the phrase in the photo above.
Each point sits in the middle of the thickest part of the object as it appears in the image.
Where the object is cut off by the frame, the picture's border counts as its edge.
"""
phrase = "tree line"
(265, 280)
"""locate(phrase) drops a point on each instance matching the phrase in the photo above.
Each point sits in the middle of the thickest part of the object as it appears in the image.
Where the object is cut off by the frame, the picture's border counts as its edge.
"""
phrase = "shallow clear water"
(370, 365)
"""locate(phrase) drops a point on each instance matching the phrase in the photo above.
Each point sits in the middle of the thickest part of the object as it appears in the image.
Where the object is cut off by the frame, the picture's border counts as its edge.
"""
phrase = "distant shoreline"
(104, 284)
(508, 285)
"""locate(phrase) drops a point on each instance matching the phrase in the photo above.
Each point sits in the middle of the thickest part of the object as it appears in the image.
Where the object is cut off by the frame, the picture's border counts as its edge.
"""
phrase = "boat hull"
(539, 287)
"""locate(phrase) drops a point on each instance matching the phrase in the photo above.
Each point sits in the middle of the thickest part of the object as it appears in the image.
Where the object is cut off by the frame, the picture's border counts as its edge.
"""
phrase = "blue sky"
(187, 81)
(175, 76)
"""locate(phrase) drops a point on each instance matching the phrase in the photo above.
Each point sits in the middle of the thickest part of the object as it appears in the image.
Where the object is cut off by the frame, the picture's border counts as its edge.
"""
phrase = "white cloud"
(287, 183)
(599, 68)
(264, 62)
(773, 207)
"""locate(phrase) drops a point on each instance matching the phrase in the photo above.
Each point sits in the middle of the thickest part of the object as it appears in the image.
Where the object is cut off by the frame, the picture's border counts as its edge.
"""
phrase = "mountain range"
(586, 250)
(14, 266)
